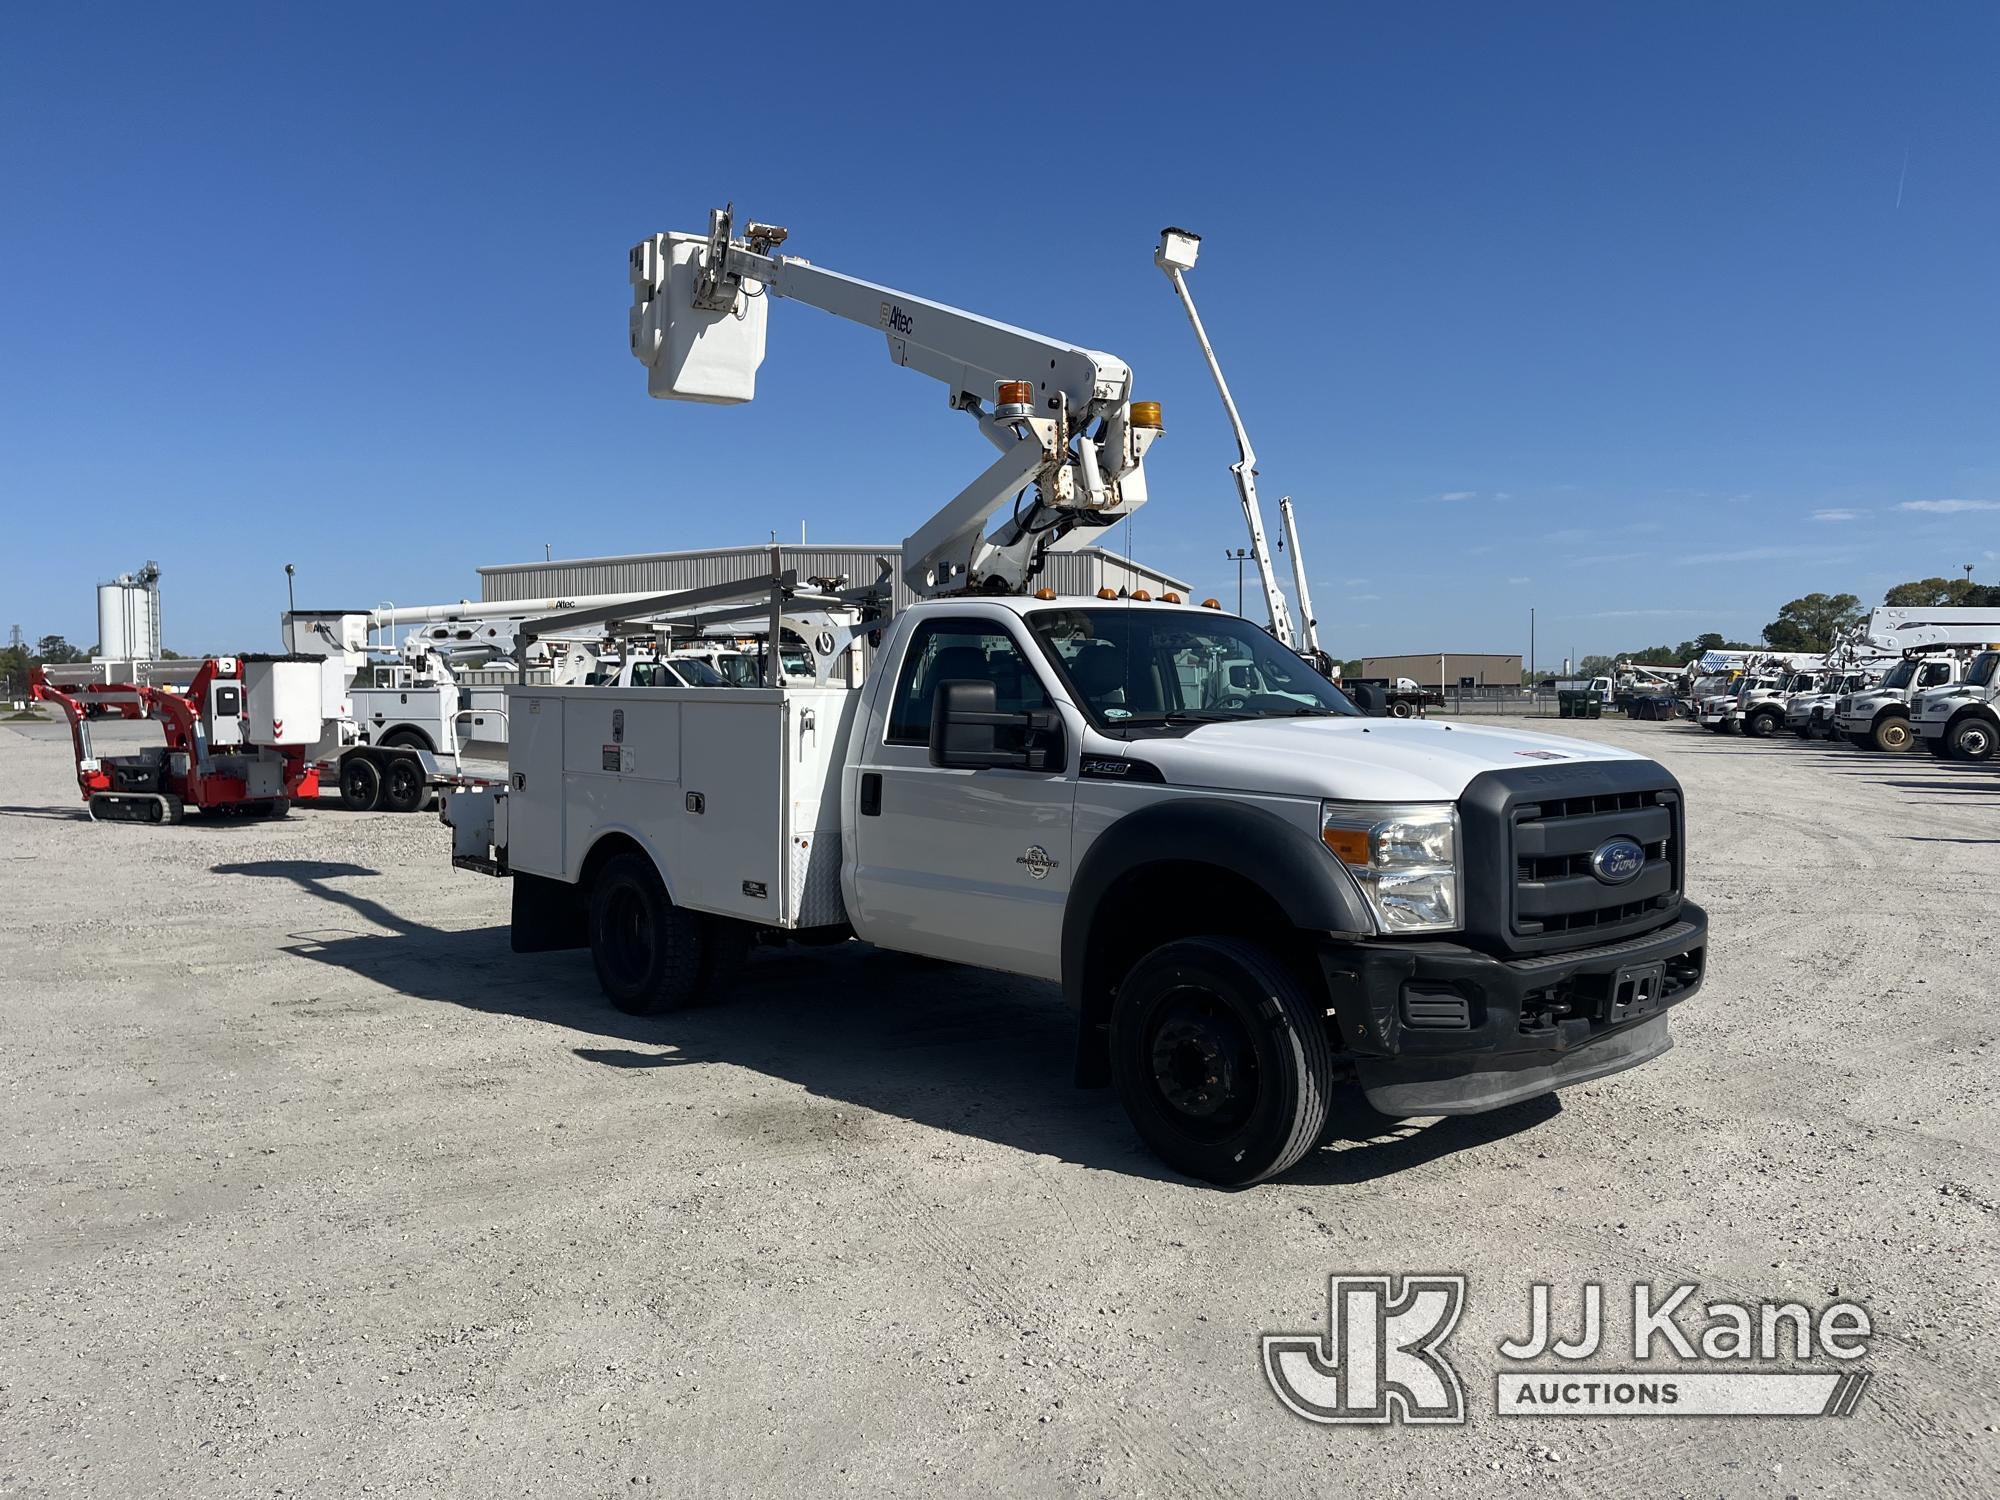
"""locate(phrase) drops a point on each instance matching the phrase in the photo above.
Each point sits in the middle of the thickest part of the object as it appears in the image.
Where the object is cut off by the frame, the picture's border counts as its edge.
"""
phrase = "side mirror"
(966, 727)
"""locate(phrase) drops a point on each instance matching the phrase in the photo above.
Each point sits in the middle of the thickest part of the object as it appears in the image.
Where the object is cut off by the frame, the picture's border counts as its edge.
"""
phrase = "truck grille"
(1556, 891)
(1530, 838)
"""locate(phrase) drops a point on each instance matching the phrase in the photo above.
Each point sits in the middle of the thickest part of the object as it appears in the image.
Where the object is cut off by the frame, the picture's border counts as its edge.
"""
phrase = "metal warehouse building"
(1443, 670)
(1071, 568)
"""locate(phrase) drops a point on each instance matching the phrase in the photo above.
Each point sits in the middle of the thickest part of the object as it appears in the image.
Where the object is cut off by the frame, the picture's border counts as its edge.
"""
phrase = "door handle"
(871, 794)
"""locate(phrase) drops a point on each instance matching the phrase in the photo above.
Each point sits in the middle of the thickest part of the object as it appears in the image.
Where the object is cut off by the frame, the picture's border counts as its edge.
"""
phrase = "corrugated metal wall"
(1082, 570)
(1490, 668)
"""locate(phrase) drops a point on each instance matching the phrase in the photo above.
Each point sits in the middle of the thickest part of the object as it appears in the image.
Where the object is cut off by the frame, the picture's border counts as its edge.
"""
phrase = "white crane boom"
(1308, 641)
(1062, 416)
(1175, 254)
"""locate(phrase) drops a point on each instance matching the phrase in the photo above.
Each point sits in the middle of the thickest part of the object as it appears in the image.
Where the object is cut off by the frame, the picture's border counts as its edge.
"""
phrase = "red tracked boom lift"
(236, 740)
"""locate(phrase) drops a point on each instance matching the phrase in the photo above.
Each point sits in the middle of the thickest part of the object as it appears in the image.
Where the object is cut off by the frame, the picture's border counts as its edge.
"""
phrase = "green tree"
(1813, 623)
(1932, 593)
(55, 651)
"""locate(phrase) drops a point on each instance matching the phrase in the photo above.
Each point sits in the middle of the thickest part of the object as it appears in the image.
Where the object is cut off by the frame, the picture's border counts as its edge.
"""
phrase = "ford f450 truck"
(1249, 893)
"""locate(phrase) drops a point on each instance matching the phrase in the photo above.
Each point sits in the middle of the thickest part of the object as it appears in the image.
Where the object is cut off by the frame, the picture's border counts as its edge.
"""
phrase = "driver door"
(972, 866)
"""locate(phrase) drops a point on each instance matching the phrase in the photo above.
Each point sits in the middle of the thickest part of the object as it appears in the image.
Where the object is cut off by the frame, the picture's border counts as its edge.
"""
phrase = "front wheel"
(1971, 739)
(1761, 726)
(1221, 1060)
(1892, 734)
(1401, 710)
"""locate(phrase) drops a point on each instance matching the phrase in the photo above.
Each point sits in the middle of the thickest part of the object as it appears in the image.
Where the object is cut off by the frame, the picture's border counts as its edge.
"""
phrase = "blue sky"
(1650, 317)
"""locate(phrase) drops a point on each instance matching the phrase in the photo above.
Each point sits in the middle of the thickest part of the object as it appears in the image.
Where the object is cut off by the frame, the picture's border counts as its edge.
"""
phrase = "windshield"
(1137, 667)
(1981, 673)
(739, 667)
(1900, 676)
(699, 673)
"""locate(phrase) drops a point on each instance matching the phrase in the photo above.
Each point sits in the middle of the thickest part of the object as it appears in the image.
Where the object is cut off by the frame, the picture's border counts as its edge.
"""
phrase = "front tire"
(1892, 734)
(1400, 710)
(648, 951)
(1971, 739)
(1761, 726)
(1223, 1063)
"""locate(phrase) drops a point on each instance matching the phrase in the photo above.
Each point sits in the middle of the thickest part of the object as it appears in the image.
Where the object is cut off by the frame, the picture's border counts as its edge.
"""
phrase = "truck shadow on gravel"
(958, 1049)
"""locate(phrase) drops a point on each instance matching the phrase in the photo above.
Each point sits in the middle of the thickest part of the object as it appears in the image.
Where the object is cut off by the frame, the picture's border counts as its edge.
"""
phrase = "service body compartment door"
(731, 846)
(534, 831)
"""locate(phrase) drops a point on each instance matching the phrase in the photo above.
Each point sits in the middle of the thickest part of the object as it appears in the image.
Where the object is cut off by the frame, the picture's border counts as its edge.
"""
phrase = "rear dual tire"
(395, 783)
(652, 956)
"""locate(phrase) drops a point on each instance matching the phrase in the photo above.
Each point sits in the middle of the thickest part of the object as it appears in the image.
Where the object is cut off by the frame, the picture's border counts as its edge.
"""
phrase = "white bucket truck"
(1250, 894)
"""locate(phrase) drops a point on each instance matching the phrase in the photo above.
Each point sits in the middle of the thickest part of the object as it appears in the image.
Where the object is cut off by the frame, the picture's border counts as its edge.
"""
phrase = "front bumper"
(1930, 729)
(1439, 1029)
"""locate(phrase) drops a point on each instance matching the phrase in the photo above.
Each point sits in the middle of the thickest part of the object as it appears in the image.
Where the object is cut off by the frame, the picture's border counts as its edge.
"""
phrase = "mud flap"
(549, 916)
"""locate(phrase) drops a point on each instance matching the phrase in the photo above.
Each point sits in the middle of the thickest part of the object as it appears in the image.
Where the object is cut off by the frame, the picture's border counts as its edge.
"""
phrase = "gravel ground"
(310, 1187)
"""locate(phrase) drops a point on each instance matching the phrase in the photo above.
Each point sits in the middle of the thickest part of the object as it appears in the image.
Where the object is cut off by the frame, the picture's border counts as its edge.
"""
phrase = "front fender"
(1289, 865)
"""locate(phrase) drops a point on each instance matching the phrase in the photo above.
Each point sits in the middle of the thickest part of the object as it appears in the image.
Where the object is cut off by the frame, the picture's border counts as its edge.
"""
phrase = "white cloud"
(1362, 598)
(1838, 514)
(1459, 495)
(1766, 554)
(1948, 507)
(1520, 580)
(1355, 583)
(1503, 494)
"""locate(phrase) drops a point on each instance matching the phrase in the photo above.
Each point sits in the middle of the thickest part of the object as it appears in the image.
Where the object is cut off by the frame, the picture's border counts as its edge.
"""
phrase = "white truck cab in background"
(1960, 721)
(1248, 897)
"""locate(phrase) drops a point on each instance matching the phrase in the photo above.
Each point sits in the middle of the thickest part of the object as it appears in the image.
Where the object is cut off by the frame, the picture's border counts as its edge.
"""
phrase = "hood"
(1355, 760)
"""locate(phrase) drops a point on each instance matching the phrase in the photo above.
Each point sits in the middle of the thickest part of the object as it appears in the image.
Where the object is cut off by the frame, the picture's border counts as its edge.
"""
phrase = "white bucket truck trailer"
(1249, 893)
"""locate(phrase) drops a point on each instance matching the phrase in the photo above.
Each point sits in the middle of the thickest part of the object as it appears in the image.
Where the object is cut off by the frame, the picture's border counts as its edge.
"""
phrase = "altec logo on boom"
(1380, 1359)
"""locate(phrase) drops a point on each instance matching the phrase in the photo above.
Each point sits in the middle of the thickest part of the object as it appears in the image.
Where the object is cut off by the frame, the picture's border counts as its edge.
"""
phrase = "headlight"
(1405, 859)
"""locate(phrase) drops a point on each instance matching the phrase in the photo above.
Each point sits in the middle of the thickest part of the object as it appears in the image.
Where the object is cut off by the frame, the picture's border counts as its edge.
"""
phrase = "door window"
(1935, 672)
(958, 651)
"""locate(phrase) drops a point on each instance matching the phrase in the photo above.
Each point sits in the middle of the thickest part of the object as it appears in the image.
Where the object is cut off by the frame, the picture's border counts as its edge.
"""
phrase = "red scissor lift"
(226, 752)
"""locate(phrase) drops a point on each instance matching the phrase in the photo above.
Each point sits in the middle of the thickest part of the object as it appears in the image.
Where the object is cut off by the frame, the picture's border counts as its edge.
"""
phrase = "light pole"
(1240, 555)
(290, 597)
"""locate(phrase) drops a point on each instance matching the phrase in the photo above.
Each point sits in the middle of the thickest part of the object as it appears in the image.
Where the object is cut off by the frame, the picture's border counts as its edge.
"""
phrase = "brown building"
(1487, 669)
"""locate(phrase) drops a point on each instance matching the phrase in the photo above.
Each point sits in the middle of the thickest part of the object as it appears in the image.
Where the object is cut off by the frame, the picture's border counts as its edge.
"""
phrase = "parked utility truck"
(1960, 722)
(1249, 893)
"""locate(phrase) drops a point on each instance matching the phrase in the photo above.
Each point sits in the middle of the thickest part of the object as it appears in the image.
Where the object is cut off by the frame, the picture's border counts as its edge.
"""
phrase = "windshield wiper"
(1189, 716)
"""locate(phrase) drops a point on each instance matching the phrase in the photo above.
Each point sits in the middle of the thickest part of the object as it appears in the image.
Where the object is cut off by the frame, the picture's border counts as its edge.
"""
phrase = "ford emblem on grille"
(1617, 861)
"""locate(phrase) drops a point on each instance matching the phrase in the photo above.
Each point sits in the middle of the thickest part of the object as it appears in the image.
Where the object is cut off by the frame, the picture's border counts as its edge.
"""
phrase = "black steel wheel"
(360, 784)
(403, 784)
(648, 951)
(1222, 1062)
